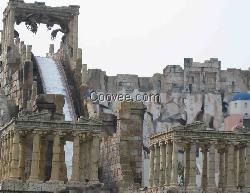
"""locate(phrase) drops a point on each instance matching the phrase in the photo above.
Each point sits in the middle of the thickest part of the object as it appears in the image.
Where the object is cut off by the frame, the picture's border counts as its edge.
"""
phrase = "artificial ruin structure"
(233, 151)
(111, 146)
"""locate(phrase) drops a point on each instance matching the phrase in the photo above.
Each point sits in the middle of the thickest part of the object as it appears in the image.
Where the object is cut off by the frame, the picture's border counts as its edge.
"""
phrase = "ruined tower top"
(33, 14)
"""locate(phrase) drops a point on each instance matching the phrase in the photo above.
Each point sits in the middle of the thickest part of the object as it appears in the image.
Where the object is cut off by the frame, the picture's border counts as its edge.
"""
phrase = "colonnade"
(234, 164)
(13, 156)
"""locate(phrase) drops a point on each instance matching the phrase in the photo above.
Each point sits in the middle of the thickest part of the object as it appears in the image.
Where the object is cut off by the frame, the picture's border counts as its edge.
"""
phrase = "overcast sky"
(143, 36)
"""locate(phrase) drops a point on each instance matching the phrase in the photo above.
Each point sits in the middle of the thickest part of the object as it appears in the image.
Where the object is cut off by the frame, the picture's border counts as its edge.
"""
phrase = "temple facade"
(231, 151)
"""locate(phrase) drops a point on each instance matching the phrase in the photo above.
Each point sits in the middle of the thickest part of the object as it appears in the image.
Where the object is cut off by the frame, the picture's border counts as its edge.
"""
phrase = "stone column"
(4, 36)
(241, 167)
(204, 180)
(226, 169)
(168, 163)
(21, 164)
(85, 161)
(35, 164)
(7, 157)
(43, 159)
(192, 174)
(221, 168)
(75, 36)
(10, 153)
(4, 157)
(247, 176)
(95, 149)
(211, 185)
(15, 156)
(76, 160)
(63, 167)
(162, 163)
(56, 159)
(28, 52)
(156, 165)
(186, 164)
(11, 27)
(1, 157)
(174, 174)
(230, 172)
(51, 49)
(236, 165)
(151, 159)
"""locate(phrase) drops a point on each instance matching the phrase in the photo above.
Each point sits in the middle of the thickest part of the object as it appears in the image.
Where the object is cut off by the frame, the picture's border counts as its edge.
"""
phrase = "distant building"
(239, 112)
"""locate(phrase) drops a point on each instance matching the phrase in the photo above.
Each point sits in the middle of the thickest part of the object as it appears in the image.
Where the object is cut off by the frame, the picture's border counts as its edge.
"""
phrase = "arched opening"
(41, 47)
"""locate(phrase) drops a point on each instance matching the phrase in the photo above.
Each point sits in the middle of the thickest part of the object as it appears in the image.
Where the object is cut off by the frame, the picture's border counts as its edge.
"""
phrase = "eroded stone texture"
(121, 152)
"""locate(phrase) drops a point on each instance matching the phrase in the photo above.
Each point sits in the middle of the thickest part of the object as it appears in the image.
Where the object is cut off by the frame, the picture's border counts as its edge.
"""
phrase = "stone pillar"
(35, 164)
(28, 52)
(211, 185)
(43, 159)
(21, 164)
(221, 168)
(226, 169)
(75, 36)
(63, 167)
(174, 174)
(186, 164)
(4, 36)
(76, 160)
(56, 159)
(247, 176)
(11, 23)
(15, 157)
(7, 157)
(95, 149)
(51, 49)
(230, 172)
(162, 163)
(192, 174)
(84, 72)
(241, 167)
(168, 163)
(85, 161)
(204, 180)
(156, 165)
(151, 159)
(4, 157)
(1, 157)
(10, 153)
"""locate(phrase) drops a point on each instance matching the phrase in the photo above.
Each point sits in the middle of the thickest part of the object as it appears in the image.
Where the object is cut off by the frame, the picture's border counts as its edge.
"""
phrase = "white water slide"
(54, 83)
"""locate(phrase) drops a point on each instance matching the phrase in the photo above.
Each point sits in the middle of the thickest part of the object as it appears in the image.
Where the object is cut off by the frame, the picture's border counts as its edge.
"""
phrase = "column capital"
(168, 142)
(155, 145)
(204, 148)
(151, 147)
(161, 143)
(186, 146)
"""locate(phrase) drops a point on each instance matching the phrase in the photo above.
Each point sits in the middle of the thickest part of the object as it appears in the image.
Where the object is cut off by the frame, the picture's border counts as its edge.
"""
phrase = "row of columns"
(12, 158)
(234, 160)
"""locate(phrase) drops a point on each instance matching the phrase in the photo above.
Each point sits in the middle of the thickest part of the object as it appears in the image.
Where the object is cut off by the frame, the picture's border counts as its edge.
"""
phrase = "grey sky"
(143, 36)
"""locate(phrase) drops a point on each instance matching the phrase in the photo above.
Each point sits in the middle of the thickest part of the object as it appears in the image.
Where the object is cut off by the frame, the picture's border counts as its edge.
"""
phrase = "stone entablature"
(42, 143)
(233, 149)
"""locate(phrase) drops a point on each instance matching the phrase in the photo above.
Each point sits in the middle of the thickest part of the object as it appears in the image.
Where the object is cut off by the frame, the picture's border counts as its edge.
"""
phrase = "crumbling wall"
(121, 153)
(4, 111)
